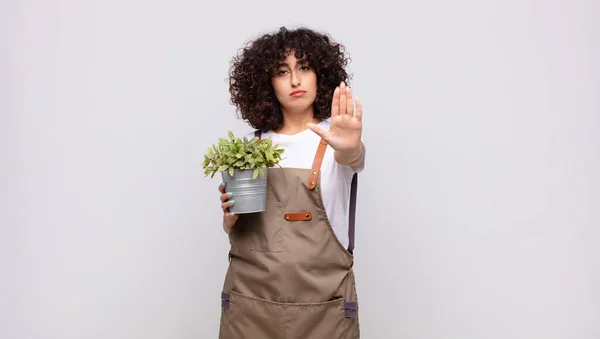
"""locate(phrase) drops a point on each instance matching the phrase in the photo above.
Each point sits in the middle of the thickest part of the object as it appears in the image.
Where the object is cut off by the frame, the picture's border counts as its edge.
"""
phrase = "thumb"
(318, 130)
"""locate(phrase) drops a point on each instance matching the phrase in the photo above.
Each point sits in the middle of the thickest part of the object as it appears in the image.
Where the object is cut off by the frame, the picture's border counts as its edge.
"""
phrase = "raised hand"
(344, 134)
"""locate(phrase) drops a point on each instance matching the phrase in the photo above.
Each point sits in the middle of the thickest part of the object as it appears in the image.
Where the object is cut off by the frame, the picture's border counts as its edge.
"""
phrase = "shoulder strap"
(352, 217)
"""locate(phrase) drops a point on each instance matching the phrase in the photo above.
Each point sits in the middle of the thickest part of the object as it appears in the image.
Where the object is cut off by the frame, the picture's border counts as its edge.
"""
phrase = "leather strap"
(300, 216)
(316, 167)
(353, 189)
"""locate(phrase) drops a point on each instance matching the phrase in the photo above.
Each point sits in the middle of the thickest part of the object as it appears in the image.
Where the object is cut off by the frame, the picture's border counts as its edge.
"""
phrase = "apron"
(289, 277)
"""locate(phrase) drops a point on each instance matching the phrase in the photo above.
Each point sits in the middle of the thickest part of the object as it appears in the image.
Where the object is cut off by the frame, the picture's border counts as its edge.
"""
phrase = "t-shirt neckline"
(299, 133)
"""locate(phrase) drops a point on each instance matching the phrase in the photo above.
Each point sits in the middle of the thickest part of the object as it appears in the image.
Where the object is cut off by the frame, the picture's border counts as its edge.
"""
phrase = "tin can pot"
(250, 195)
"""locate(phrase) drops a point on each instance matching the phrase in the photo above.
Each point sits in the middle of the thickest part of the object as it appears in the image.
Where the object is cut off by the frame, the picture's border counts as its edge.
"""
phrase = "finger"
(343, 98)
(222, 187)
(225, 206)
(225, 196)
(230, 216)
(359, 109)
(335, 103)
(349, 103)
(230, 219)
(318, 130)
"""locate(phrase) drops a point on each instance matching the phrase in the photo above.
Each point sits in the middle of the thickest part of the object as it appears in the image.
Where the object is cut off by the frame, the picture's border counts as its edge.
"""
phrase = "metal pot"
(250, 195)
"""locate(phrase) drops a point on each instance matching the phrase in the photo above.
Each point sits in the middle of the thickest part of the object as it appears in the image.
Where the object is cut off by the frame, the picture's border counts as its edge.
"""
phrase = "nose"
(295, 80)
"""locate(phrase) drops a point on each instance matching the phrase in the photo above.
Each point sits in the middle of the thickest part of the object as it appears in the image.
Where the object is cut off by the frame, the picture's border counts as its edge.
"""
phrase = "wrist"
(350, 157)
(226, 228)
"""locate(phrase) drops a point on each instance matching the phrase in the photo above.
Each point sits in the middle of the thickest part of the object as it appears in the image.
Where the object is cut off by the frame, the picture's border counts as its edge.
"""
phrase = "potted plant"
(242, 164)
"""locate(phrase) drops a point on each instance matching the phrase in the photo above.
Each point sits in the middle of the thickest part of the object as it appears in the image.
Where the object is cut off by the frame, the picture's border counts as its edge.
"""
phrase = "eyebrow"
(301, 62)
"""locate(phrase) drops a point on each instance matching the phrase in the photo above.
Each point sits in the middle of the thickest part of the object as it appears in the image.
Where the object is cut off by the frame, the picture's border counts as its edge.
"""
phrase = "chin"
(298, 108)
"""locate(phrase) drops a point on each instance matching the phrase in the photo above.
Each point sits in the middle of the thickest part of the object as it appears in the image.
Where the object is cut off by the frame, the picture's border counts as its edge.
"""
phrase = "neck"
(295, 122)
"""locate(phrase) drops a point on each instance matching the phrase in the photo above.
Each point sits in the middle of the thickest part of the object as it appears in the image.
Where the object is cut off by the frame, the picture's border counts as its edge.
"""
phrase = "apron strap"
(316, 167)
(353, 189)
(352, 217)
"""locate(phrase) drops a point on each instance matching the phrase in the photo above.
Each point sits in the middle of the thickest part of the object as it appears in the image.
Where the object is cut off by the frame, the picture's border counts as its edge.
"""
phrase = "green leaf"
(255, 174)
(241, 153)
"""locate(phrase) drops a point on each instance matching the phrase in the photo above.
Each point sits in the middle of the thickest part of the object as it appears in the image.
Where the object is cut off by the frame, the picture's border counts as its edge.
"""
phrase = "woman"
(290, 272)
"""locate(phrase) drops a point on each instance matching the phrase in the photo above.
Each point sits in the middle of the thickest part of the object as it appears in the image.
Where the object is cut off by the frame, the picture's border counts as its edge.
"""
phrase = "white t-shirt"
(300, 150)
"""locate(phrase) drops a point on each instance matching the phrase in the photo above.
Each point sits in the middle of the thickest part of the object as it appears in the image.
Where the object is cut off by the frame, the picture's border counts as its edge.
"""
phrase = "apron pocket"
(328, 320)
(259, 232)
(253, 318)
(267, 231)
(249, 317)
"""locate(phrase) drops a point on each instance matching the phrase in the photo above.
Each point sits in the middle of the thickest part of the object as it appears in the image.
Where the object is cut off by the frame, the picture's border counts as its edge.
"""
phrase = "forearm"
(351, 158)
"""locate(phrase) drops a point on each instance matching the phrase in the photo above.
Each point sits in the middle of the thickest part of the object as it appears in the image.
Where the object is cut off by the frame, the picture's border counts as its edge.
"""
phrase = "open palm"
(345, 129)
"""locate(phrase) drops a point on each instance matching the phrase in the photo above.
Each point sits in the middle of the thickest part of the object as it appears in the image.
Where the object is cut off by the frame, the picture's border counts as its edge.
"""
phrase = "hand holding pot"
(229, 219)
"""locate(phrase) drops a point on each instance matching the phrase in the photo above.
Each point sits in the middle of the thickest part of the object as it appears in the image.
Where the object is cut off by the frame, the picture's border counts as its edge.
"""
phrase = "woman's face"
(295, 84)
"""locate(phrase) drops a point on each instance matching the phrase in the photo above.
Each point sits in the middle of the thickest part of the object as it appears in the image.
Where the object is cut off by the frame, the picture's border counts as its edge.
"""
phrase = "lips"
(297, 93)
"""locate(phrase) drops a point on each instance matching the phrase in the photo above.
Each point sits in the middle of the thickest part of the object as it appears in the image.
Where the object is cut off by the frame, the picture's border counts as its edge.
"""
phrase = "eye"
(304, 68)
(281, 72)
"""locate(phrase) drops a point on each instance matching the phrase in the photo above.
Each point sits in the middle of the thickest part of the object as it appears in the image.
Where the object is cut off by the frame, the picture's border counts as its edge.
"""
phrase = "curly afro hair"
(252, 69)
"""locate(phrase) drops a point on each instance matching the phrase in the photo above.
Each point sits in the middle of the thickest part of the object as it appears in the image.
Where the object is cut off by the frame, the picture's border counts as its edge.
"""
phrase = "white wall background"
(478, 212)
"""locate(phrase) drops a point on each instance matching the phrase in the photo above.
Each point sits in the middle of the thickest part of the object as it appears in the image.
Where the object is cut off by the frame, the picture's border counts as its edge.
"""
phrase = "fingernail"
(232, 214)
(230, 194)
(222, 184)
(231, 202)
